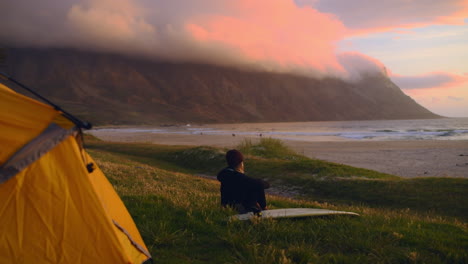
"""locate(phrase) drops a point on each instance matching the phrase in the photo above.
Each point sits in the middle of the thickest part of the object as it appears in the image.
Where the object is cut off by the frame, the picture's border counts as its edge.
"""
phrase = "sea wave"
(443, 129)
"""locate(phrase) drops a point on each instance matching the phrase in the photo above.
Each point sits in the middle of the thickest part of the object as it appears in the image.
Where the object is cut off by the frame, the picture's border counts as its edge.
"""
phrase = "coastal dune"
(409, 159)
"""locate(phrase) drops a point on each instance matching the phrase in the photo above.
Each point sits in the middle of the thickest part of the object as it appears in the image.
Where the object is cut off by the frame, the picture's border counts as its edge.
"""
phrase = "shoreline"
(408, 159)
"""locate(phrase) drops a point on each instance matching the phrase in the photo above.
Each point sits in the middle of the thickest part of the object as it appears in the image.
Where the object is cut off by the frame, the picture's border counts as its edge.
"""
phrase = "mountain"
(115, 89)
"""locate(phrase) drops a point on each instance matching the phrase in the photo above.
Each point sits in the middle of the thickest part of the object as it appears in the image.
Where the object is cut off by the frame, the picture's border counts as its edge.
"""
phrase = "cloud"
(430, 80)
(270, 35)
(370, 16)
(120, 22)
(457, 99)
(32, 22)
(357, 65)
(277, 35)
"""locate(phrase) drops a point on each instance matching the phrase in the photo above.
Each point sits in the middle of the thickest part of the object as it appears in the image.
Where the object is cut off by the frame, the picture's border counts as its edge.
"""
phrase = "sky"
(422, 45)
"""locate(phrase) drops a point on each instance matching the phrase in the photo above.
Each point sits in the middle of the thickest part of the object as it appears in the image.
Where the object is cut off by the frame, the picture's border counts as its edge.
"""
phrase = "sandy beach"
(418, 158)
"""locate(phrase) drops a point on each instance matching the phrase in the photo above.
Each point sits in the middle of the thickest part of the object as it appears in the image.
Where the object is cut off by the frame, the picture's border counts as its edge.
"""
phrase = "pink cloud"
(270, 35)
(275, 34)
(429, 80)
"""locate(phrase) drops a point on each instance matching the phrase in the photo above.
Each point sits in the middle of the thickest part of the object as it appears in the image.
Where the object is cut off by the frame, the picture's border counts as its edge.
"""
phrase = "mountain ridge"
(115, 89)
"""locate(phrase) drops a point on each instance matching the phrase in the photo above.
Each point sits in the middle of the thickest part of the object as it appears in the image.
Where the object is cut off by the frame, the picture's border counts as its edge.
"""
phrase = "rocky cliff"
(113, 89)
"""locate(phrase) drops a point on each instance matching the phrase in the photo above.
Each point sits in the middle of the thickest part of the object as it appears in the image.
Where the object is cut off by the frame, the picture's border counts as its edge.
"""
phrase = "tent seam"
(33, 150)
(133, 242)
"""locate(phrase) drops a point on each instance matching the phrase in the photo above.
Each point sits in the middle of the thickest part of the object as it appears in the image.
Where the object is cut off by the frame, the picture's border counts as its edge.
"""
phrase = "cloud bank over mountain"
(282, 35)
(269, 35)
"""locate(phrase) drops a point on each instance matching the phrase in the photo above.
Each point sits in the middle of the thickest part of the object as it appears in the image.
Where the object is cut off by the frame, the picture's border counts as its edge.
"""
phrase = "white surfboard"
(292, 213)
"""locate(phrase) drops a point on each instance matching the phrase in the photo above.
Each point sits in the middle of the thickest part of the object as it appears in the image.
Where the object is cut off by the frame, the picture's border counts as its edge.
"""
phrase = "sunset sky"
(421, 44)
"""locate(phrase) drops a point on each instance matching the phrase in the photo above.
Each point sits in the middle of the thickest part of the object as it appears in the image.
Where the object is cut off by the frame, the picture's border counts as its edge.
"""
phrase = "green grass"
(179, 217)
(267, 148)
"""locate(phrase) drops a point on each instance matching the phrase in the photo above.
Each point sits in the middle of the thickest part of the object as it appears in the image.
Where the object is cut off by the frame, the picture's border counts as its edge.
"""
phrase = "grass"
(179, 217)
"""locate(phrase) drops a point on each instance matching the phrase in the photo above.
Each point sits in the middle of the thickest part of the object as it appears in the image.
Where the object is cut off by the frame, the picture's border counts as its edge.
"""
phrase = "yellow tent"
(56, 206)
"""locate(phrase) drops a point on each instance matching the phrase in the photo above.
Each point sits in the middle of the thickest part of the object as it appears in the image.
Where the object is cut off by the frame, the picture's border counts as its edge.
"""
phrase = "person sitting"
(239, 191)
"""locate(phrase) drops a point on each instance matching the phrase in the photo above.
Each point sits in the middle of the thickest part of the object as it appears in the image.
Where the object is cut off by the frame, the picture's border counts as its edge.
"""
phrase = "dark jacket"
(238, 188)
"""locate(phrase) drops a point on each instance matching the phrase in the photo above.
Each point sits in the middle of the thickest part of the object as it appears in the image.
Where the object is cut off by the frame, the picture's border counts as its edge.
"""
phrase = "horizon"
(422, 46)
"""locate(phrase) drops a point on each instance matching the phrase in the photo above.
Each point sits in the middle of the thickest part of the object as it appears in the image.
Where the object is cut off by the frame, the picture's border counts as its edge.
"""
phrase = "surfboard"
(291, 213)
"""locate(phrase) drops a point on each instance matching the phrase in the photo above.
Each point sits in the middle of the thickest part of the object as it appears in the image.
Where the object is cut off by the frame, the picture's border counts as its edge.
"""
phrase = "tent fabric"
(21, 120)
(29, 153)
(53, 209)
(116, 210)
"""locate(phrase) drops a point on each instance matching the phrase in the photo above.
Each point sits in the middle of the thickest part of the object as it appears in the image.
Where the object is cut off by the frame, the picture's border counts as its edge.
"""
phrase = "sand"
(418, 158)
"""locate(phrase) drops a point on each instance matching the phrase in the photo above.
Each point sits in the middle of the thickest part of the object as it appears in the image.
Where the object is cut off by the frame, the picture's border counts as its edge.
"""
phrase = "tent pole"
(78, 122)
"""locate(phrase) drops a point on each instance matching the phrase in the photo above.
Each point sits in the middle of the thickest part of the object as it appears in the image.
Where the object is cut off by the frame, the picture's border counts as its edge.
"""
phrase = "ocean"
(375, 130)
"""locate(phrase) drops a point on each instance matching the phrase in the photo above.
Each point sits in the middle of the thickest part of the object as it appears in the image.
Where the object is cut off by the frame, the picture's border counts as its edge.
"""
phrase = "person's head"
(234, 158)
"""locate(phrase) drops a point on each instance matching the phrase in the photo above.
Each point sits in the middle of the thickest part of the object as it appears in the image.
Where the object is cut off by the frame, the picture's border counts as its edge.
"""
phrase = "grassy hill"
(176, 208)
